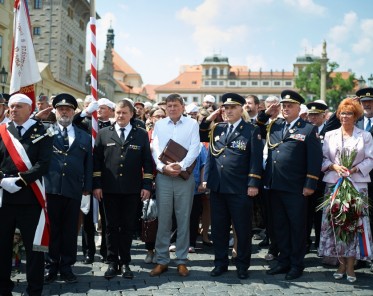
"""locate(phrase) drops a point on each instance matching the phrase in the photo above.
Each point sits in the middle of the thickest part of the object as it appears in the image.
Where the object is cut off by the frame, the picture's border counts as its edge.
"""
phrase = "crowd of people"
(210, 168)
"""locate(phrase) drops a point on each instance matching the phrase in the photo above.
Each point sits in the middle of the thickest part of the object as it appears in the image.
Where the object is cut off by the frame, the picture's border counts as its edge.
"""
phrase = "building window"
(81, 25)
(69, 39)
(81, 49)
(1, 50)
(36, 31)
(195, 99)
(214, 73)
(177, 82)
(254, 83)
(68, 66)
(214, 83)
(1, 1)
(221, 82)
(288, 83)
(243, 83)
(232, 83)
(221, 71)
(207, 72)
(70, 12)
(80, 73)
(194, 82)
(265, 83)
(207, 83)
(38, 4)
(276, 83)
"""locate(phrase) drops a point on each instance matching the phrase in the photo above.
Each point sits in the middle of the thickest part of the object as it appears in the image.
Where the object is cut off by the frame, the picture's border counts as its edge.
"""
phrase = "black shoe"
(127, 273)
(242, 273)
(218, 270)
(104, 260)
(278, 270)
(69, 277)
(264, 242)
(293, 274)
(88, 260)
(50, 277)
(207, 243)
(111, 271)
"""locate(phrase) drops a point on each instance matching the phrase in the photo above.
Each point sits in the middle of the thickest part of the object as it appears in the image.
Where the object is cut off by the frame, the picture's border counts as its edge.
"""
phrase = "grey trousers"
(173, 194)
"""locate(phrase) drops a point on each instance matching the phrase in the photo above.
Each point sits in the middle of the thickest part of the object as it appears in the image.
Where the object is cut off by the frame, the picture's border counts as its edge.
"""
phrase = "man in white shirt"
(174, 194)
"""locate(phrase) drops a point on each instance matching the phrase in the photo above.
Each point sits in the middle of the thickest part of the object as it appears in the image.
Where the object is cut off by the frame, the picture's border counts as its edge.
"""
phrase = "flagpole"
(94, 82)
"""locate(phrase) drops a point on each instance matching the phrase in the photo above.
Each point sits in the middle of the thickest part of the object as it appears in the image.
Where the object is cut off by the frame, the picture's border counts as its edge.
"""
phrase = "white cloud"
(363, 46)
(202, 14)
(307, 6)
(256, 62)
(102, 25)
(367, 27)
(340, 33)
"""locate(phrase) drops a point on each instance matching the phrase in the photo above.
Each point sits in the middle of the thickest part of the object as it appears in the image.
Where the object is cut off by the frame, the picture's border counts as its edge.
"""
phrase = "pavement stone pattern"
(317, 280)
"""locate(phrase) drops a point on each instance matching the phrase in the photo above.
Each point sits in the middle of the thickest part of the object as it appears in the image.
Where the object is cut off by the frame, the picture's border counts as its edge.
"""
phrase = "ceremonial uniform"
(234, 163)
(22, 208)
(293, 163)
(121, 170)
(69, 175)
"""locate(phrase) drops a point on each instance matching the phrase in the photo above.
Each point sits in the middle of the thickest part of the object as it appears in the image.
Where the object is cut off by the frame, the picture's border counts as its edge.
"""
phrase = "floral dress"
(329, 245)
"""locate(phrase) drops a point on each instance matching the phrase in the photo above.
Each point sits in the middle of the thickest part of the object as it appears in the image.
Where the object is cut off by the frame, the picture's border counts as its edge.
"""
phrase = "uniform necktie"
(122, 129)
(19, 128)
(286, 128)
(230, 130)
(369, 125)
(65, 138)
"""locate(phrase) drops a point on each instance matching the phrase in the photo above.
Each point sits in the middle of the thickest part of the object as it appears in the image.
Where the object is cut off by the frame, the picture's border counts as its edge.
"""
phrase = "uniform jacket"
(70, 172)
(39, 154)
(122, 168)
(294, 161)
(364, 158)
(235, 163)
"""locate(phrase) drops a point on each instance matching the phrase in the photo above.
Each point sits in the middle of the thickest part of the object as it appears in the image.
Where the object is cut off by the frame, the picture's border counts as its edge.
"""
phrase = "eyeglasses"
(347, 114)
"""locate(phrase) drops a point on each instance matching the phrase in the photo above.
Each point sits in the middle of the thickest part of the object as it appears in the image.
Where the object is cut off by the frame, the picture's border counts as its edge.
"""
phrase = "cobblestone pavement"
(316, 280)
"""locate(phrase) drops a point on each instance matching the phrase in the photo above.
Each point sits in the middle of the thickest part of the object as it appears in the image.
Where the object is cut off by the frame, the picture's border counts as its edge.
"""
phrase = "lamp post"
(3, 78)
(370, 79)
(361, 82)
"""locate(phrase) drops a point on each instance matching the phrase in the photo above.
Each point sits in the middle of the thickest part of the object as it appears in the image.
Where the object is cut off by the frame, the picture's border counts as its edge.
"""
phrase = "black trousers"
(289, 216)
(266, 204)
(225, 209)
(120, 213)
(88, 233)
(63, 215)
(314, 217)
(26, 218)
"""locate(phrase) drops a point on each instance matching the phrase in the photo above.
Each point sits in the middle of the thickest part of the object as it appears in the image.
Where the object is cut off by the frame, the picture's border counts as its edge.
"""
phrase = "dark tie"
(369, 125)
(19, 128)
(230, 130)
(122, 138)
(65, 138)
(286, 128)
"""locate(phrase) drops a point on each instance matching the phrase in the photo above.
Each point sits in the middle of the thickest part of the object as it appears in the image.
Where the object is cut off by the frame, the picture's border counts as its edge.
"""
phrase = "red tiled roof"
(121, 65)
(150, 91)
(185, 81)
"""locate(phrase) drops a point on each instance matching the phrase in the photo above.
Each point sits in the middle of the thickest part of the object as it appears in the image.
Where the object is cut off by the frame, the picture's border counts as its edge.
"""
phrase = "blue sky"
(157, 37)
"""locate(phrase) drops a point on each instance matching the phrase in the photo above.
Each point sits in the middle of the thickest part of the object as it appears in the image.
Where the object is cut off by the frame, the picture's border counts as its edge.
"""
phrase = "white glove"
(85, 204)
(9, 184)
(92, 107)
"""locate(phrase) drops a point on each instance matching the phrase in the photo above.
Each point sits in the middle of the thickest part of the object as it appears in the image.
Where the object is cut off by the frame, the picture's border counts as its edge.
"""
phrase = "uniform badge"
(239, 144)
(216, 138)
(259, 137)
(291, 131)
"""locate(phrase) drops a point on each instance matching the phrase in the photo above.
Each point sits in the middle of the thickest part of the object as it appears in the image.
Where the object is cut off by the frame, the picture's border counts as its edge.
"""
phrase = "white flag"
(25, 69)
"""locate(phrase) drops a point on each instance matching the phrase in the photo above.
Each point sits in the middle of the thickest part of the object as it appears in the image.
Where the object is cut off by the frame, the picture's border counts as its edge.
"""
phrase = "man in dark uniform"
(317, 117)
(233, 174)
(20, 205)
(122, 179)
(68, 178)
(292, 171)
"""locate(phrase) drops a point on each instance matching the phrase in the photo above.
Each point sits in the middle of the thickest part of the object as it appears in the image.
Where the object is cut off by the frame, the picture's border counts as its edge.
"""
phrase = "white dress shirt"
(25, 126)
(185, 132)
(127, 130)
(70, 132)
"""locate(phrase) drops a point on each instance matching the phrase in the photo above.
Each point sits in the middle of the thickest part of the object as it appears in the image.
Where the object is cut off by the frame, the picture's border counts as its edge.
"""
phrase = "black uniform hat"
(365, 94)
(318, 106)
(4, 98)
(65, 100)
(290, 96)
(233, 99)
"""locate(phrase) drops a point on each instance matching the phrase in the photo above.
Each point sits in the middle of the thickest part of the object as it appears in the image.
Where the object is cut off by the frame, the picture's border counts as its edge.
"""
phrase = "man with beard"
(252, 107)
(68, 178)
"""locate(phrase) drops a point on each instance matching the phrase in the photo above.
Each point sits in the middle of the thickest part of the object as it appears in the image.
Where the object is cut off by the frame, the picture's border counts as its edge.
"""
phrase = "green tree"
(308, 83)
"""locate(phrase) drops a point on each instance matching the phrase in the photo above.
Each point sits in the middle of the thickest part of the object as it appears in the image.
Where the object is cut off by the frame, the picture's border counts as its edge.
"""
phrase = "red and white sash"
(22, 162)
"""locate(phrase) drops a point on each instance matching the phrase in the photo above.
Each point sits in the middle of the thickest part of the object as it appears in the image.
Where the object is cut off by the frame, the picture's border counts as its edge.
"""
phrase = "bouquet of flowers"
(345, 205)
